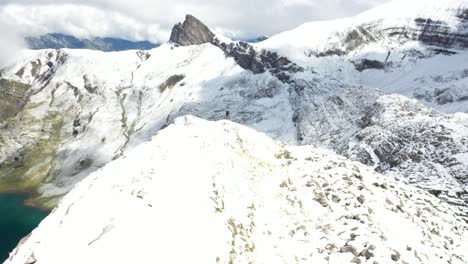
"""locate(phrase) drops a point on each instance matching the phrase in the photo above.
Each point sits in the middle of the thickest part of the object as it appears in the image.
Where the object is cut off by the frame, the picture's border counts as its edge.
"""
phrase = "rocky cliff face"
(191, 32)
(259, 61)
(442, 25)
(426, 30)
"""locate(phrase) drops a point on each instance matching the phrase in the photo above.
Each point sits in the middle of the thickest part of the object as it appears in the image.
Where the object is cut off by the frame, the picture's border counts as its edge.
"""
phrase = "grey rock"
(367, 253)
(171, 82)
(349, 249)
(336, 198)
(191, 32)
(366, 64)
(395, 256)
(31, 259)
(261, 38)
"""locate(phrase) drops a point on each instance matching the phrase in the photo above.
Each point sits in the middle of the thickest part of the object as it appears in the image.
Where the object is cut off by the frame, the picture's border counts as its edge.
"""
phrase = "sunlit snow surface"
(207, 192)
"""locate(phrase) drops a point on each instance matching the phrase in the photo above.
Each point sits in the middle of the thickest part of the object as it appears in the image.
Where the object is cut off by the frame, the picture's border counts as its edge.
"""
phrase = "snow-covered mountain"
(382, 88)
(218, 192)
(417, 49)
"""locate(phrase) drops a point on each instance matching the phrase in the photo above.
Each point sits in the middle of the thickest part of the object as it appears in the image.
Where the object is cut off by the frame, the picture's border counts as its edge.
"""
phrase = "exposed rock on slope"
(420, 146)
(395, 135)
(12, 98)
(191, 32)
(349, 67)
(441, 24)
(247, 57)
(220, 192)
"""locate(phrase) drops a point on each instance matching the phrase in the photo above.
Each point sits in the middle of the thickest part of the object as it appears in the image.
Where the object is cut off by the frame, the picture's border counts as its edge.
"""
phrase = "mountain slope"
(352, 63)
(61, 41)
(77, 110)
(99, 104)
(220, 192)
(417, 49)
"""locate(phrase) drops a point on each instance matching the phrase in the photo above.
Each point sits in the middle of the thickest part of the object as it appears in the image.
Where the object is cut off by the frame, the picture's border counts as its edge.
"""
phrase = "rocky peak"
(191, 32)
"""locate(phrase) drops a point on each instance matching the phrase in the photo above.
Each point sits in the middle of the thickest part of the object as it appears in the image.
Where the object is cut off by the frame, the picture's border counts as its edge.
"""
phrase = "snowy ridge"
(220, 192)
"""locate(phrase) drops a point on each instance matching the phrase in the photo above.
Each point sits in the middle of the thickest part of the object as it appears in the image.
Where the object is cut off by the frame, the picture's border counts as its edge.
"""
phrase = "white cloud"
(10, 44)
(153, 19)
(78, 20)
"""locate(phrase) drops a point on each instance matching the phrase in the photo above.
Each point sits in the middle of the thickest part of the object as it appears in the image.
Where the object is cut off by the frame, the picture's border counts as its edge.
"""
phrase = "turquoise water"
(16, 222)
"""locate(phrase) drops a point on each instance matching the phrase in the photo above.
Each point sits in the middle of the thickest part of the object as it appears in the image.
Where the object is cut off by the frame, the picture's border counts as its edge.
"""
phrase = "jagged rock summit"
(191, 32)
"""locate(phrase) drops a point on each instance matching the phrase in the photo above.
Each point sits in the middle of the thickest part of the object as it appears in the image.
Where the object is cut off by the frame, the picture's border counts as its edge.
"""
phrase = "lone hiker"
(227, 114)
(17, 163)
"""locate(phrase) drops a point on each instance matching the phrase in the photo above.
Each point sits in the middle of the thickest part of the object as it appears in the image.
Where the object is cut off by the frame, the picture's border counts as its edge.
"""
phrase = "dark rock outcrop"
(191, 32)
(259, 61)
(170, 82)
(439, 34)
(367, 64)
(261, 38)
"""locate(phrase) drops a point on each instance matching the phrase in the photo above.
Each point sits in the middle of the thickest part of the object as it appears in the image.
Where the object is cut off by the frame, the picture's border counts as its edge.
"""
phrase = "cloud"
(153, 19)
(10, 45)
(78, 20)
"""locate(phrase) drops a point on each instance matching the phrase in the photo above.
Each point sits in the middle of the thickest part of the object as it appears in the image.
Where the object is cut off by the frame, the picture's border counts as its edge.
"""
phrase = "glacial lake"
(16, 221)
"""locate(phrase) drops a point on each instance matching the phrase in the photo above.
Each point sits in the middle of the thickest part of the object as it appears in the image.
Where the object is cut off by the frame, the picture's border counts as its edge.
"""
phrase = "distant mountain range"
(59, 41)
